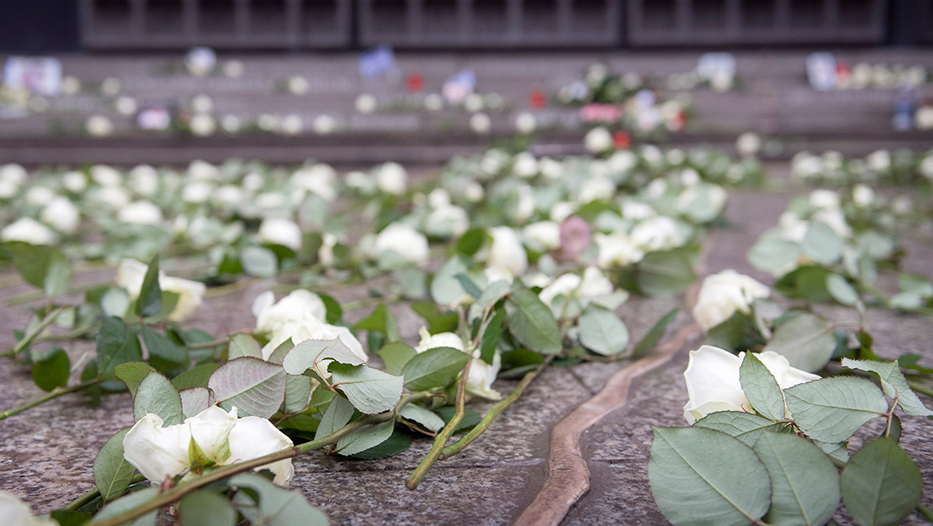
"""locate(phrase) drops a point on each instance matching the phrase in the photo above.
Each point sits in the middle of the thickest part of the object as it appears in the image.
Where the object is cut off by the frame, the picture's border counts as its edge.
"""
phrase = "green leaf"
(338, 414)
(806, 282)
(50, 369)
(651, 338)
(157, 395)
(700, 476)
(470, 417)
(471, 288)
(58, 276)
(364, 438)
(310, 353)
(243, 345)
(602, 331)
(880, 484)
(822, 244)
(206, 508)
(255, 387)
(490, 296)
(425, 417)
(774, 255)
(738, 332)
(127, 503)
(832, 409)
(276, 506)
(445, 288)
(369, 390)
(259, 261)
(893, 383)
(149, 302)
(433, 368)
(836, 451)
(395, 356)
(491, 336)
(804, 482)
(195, 377)
(667, 272)
(112, 473)
(132, 374)
(195, 399)
(164, 354)
(841, 290)
(116, 344)
(437, 321)
(70, 518)
(396, 443)
(806, 340)
(334, 312)
(761, 389)
(381, 320)
(42, 266)
(743, 426)
(471, 241)
(297, 393)
(532, 322)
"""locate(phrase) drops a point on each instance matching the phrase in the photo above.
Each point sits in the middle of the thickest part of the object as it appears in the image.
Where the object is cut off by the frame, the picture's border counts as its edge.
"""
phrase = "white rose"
(74, 182)
(924, 118)
(636, 210)
(550, 168)
(561, 211)
(748, 144)
(525, 122)
(233, 69)
(292, 125)
(525, 206)
(443, 339)
(480, 123)
(71, 85)
(598, 140)
(862, 195)
(596, 188)
(267, 122)
(197, 192)
(202, 104)
(325, 254)
(140, 213)
(447, 221)
(324, 124)
(657, 233)
(27, 230)
(17, 513)
(105, 175)
(279, 231)
(622, 161)
(98, 126)
(404, 241)
(39, 196)
(162, 452)
(439, 198)
(144, 180)
(879, 161)
(297, 85)
(593, 284)
(433, 102)
(724, 293)
(366, 103)
(111, 86)
(391, 178)
(805, 165)
(199, 61)
(616, 250)
(713, 384)
(230, 123)
(319, 179)
(202, 124)
(299, 316)
(126, 105)
(203, 171)
(474, 192)
(111, 196)
(130, 276)
(542, 236)
(525, 165)
(506, 252)
(62, 215)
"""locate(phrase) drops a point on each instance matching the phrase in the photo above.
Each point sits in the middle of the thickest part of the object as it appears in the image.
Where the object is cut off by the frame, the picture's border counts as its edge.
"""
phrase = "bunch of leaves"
(791, 466)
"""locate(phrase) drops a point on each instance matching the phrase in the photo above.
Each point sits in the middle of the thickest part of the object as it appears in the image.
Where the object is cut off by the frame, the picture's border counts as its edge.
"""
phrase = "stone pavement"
(773, 99)
(46, 454)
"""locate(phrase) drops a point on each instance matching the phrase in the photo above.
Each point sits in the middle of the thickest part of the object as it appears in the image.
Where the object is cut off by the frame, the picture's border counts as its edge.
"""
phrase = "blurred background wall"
(151, 25)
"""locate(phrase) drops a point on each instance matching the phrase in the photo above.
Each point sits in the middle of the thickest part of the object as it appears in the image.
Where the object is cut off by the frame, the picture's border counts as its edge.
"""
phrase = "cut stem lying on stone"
(494, 411)
(441, 439)
(51, 395)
